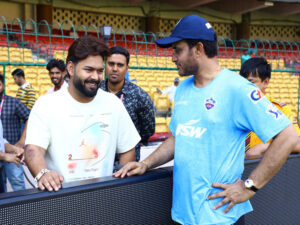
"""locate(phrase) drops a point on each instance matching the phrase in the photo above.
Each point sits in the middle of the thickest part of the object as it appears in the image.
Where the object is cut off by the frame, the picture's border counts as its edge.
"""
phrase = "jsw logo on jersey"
(271, 109)
(189, 130)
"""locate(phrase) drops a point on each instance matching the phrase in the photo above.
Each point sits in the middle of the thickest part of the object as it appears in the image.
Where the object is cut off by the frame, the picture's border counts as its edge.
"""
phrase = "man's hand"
(20, 153)
(233, 194)
(19, 144)
(51, 180)
(131, 168)
(12, 158)
(158, 91)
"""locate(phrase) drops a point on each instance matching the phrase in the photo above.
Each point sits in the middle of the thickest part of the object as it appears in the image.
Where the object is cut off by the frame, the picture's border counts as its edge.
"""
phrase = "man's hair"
(258, 67)
(85, 46)
(56, 63)
(18, 72)
(210, 47)
(1, 78)
(121, 51)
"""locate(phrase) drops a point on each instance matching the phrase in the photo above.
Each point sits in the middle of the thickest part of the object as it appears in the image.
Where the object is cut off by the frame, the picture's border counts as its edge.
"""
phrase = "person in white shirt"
(74, 133)
(170, 91)
(56, 68)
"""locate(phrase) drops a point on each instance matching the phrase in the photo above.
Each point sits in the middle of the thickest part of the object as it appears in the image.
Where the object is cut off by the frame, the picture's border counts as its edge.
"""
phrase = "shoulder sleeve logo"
(273, 110)
(255, 95)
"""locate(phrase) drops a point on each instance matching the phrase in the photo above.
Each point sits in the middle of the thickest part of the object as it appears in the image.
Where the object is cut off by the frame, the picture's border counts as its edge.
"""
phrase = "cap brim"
(167, 41)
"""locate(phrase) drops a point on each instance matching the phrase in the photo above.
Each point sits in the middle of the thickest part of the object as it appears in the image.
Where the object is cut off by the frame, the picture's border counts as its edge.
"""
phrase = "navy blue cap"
(189, 27)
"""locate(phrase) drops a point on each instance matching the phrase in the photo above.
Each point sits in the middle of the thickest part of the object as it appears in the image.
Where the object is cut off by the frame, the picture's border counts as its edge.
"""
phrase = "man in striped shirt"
(26, 94)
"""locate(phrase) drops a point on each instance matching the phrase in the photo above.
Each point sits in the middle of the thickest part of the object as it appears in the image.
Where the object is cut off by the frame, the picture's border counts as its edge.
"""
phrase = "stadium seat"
(162, 103)
(161, 125)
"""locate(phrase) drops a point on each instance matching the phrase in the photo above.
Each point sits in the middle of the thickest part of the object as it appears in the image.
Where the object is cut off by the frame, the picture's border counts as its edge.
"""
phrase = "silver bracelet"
(40, 174)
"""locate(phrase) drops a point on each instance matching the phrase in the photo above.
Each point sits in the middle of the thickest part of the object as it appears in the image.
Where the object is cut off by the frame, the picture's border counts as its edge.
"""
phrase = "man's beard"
(80, 86)
(188, 70)
(189, 67)
(56, 82)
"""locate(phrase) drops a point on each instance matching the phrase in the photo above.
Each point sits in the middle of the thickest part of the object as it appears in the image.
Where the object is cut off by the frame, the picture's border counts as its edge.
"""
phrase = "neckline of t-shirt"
(69, 96)
(217, 77)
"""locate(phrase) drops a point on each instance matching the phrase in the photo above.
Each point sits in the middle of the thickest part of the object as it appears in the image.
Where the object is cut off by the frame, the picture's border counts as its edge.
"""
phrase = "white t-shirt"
(170, 91)
(81, 139)
(64, 85)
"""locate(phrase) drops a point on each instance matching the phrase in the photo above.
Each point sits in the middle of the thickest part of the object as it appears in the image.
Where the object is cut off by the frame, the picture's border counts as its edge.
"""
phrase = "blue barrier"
(144, 199)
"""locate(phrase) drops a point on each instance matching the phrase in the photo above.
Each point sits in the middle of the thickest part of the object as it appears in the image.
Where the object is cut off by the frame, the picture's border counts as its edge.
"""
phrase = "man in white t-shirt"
(74, 133)
(170, 91)
(56, 68)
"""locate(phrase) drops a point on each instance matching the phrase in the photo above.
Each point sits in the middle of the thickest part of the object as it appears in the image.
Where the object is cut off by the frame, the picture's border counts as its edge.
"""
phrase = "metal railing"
(25, 41)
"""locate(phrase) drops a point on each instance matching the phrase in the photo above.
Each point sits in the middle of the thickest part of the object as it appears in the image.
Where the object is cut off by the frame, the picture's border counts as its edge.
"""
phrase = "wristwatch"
(249, 184)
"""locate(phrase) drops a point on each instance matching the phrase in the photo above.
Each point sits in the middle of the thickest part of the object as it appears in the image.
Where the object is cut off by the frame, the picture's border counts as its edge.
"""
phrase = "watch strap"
(253, 188)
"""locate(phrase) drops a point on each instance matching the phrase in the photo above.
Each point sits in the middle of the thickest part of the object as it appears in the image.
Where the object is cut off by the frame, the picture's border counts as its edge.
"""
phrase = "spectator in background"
(136, 101)
(56, 68)
(9, 154)
(214, 111)
(258, 71)
(249, 55)
(170, 91)
(26, 94)
(12, 111)
(79, 141)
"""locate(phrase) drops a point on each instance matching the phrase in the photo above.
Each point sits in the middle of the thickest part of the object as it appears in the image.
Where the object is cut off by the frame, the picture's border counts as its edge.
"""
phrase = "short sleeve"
(252, 111)
(31, 94)
(22, 110)
(5, 141)
(38, 125)
(128, 137)
(288, 112)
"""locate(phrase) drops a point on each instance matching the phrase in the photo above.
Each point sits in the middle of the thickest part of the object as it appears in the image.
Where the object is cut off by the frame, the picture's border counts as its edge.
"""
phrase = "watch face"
(248, 183)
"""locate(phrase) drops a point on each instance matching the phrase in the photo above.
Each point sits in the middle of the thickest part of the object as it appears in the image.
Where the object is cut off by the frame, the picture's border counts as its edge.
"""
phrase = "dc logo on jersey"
(255, 95)
(271, 109)
(210, 103)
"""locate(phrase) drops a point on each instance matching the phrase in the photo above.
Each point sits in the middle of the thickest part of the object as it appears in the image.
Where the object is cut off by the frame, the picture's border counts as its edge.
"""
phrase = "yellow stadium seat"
(162, 103)
(146, 89)
(154, 84)
(161, 125)
(152, 91)
(150, 79)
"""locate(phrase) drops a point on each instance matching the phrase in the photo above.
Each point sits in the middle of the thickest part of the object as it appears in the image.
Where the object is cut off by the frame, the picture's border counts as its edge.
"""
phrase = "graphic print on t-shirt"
(92, 149)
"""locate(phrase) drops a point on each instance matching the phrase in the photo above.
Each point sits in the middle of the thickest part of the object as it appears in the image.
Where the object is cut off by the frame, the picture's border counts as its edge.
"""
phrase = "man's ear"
(70, 68)
(199, 49)
(266, 82)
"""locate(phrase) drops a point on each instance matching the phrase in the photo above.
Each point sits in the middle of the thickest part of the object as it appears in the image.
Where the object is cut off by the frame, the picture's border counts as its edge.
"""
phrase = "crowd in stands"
(88, 125)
